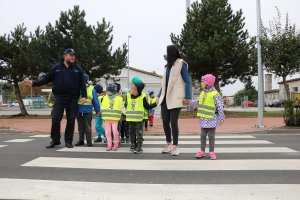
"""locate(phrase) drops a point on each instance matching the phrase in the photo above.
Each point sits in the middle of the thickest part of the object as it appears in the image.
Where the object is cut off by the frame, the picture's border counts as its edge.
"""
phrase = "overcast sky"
(149, 22)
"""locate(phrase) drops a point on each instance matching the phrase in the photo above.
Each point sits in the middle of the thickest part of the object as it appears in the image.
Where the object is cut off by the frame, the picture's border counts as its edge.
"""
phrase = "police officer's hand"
(83, 100)
(28, 82)
(99, 114)
(157, 100)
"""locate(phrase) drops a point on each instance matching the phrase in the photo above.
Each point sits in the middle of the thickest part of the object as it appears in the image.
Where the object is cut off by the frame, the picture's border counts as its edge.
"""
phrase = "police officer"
(67, 84)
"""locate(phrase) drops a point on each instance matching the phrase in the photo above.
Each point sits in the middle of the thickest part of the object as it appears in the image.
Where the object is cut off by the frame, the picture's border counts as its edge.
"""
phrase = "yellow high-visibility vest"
(89, 98)
(207, 106)
(135, 108)
(111, 109)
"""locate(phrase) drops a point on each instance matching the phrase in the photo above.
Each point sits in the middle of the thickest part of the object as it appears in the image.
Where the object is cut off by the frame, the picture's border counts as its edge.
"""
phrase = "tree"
(20, 58)
(248, 91)
(92, 43)
(213, 40)
(281, 49)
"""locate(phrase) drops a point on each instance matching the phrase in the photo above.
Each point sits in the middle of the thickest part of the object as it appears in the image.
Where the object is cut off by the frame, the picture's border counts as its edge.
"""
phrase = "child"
(98, 119)
(85, 114)
(124, 124)
(211, 113)
(135, 104)
(146, 113)
(152, 101)
(111, 113)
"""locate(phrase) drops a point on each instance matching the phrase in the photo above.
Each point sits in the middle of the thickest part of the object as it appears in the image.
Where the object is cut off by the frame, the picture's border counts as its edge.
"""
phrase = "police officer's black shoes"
(89, 144)
(138, 151)
(79, 143)
(52, 144)
(98, 139)
(69, 145)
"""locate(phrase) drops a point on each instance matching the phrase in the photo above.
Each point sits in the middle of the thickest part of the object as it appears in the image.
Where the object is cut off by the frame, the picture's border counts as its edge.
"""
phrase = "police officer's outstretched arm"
(46, 79)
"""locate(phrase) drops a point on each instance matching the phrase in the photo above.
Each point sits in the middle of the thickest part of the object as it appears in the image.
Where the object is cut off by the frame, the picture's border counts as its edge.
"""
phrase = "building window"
(295, 89)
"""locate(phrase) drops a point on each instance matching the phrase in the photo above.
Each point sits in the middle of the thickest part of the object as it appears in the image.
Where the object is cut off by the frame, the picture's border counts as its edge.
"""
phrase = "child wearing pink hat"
(211, 113)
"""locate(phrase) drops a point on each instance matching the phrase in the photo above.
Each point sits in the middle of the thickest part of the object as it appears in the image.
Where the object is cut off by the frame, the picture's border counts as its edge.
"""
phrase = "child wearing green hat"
(135, 104)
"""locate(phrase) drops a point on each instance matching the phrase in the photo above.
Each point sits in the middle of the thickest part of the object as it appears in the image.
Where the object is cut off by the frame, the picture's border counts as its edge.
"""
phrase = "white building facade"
(151, 79)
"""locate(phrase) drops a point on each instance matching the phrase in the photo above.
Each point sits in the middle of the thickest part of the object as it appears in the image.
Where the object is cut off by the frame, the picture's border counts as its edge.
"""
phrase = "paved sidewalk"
(186, 126)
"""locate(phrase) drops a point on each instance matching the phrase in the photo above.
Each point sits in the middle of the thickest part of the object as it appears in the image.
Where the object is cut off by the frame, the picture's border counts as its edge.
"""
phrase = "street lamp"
(260, 70)
(128, 81)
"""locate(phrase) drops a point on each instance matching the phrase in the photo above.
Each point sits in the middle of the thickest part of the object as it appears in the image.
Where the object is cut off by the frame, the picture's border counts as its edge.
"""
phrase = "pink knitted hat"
(209, 79)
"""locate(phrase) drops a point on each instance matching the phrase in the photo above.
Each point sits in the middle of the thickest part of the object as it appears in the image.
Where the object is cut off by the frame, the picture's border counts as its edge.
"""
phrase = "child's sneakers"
(108, 149)
(167, 148)
(200, 154)
(212, 156)
(115, 148)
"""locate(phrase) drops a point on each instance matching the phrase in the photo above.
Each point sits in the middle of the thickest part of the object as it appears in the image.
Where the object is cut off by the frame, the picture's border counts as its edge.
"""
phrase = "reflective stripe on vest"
(89, 98)
(111, 109)
(207, 107)
(135, 109)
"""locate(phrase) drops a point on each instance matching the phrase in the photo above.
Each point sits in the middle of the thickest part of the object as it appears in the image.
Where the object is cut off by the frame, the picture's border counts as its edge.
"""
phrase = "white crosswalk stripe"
(170, 165)
(19, 140)
(187, 150)
(148, 137)
(217, 142)
(40, 136)
(44, 189)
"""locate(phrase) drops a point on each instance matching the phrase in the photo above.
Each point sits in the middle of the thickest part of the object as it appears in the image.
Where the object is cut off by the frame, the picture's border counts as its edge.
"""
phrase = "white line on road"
(217, 142)
(19, 140)
(198, 137)
(186, 150)
(169, 165)
(40, 136)
(45, 189)
(2, 146)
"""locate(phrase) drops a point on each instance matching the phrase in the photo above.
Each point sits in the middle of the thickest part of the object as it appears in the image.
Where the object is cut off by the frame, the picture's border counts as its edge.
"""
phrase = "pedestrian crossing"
(154, 175)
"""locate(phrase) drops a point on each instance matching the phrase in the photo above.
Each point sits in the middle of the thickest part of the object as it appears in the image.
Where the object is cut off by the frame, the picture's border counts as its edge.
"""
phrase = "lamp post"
(260, 70)
(128, 81)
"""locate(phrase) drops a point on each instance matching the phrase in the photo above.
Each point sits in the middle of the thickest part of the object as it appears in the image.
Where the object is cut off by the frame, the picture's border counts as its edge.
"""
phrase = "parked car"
(27, 102)
(277, 104)
(4, 105)
(247, 104)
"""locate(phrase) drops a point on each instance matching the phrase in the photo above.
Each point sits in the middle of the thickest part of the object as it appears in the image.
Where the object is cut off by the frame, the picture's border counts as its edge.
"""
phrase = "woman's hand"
(185, 102)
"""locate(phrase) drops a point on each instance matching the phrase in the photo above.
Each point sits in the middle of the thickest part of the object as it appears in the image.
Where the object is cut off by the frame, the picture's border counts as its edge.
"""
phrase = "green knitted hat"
(136, 80)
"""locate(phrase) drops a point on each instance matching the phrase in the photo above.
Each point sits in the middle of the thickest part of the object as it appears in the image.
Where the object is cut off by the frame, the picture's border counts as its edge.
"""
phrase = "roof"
(145, 72)
(272, 91)
(291, 80)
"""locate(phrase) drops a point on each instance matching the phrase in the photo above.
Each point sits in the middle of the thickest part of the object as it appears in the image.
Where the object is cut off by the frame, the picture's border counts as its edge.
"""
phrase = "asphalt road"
(270, 169)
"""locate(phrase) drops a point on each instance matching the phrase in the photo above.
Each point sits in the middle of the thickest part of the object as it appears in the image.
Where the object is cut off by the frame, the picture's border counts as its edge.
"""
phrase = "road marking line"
(19, 140)
(165, 165)
(198, 137)
(186, 150)
(40, 136)
(46, 189)
(217, 142)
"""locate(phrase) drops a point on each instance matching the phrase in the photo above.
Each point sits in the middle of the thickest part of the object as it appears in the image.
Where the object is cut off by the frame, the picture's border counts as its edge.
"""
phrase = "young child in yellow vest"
(211, 113)
(100, 132)
(111, 110)
(136, 103)
(152, 101)
(85, 114)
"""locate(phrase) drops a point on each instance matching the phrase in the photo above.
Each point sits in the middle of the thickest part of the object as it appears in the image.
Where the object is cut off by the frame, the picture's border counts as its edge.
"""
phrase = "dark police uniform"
(68, 84)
